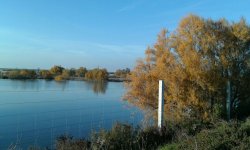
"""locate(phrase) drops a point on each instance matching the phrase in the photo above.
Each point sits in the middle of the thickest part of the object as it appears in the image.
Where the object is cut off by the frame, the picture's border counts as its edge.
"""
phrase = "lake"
(36, 112)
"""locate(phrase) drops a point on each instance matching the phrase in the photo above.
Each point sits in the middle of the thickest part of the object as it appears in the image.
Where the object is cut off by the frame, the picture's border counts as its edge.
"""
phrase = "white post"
(160, 104)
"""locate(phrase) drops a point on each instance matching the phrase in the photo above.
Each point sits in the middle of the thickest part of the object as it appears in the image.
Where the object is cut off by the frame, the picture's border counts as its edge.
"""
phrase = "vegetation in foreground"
(221, 135)
(189, 135)
(121, 136)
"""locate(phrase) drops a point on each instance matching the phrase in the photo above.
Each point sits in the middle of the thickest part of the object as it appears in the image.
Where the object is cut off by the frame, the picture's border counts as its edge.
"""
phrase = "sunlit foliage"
(56, 70)
(196, 61)
(97, 74)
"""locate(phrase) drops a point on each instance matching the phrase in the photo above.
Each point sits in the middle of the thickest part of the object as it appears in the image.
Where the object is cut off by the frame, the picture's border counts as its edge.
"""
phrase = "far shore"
(79, 79)
(59, 73)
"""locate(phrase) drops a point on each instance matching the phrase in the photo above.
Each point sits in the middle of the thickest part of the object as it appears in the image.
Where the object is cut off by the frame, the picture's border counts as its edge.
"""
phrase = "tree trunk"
(229, 99)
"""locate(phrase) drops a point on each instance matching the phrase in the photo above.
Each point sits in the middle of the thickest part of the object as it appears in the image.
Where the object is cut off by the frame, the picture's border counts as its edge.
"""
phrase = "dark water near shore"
(35, 112)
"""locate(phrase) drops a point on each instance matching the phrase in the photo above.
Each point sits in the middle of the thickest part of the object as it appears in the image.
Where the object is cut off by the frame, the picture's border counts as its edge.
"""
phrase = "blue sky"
(91, 33)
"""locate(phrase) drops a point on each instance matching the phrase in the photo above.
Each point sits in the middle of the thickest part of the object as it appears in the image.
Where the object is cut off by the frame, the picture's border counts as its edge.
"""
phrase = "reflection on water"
(24, 84)
(98, 86)
(62, 84)
(38, 111)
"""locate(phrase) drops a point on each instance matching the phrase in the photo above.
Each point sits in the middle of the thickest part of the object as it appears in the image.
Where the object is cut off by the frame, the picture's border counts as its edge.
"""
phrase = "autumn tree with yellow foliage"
(205, 66)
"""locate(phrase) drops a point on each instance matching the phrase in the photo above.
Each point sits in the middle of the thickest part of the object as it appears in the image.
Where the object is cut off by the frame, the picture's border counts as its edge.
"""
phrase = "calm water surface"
(35, 112)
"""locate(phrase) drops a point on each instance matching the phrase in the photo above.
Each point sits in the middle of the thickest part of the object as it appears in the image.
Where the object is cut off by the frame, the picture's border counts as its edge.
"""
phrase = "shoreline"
(75, 79)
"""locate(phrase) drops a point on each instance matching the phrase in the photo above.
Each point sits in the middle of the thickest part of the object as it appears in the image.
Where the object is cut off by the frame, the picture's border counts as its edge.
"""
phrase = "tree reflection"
(63, 85)
(98, 86)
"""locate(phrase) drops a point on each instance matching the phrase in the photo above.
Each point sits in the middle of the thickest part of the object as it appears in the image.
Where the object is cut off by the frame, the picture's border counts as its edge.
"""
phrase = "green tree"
(81, 72)
(72, 72)
(45, 74)
(56, 70)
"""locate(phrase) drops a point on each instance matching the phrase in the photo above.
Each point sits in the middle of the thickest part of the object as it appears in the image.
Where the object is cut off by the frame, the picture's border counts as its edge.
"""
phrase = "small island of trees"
(60, 73)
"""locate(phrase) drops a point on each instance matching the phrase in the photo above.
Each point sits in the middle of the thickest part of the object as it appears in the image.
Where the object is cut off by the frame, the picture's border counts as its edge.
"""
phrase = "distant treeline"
(122, 73)
(60, 73)
(19, 74)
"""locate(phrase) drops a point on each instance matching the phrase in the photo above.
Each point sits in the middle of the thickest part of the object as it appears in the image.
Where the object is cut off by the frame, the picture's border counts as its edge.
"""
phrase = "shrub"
(66, 142)
(172, 146)
(121, 136)
(224, 136)
(59, 78)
